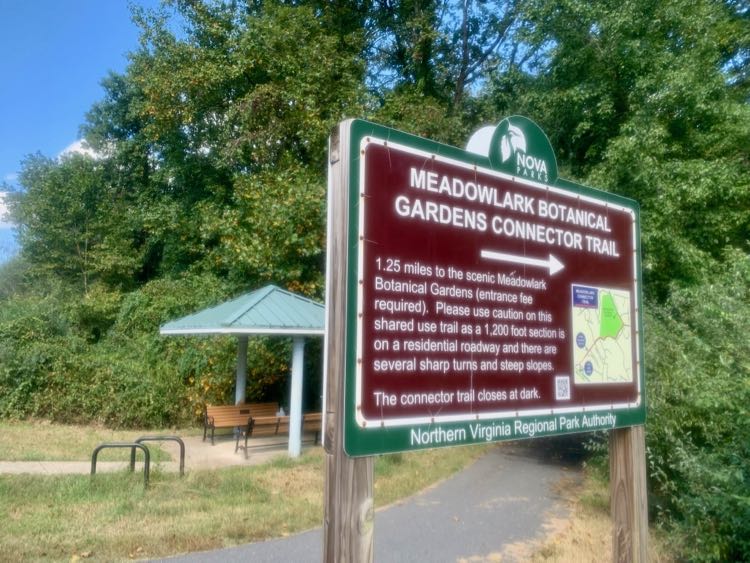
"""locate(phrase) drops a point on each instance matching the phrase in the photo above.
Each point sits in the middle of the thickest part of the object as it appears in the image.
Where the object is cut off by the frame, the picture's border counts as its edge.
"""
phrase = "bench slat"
(263, 421)
(278, 425)
(312, 422)
(233, 416)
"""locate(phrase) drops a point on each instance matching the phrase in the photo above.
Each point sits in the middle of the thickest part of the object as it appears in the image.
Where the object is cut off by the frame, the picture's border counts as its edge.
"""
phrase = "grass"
(586, 536)
(43, 441)
(55, 518)
(113, 518)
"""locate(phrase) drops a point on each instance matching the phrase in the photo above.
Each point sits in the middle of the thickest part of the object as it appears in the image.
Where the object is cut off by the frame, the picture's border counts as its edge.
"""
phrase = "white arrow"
(553, 263)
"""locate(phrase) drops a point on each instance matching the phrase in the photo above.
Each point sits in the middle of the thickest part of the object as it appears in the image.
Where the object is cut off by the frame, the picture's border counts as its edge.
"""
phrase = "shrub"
(698, 430)
(101, 359)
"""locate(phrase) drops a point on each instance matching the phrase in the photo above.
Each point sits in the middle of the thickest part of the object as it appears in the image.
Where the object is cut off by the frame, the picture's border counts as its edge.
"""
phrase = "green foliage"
(636, 100)
(100, 358)
(426, 116)
(73, 222)
(12, 276)
(613, 61)
(698, 433)
(164, 299)
(273, 231)
(33, 334)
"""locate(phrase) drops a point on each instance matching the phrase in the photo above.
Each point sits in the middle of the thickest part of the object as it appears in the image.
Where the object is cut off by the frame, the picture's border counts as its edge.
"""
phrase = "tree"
(247, 93)
(211, 178)
(70, 222)
(637, 97)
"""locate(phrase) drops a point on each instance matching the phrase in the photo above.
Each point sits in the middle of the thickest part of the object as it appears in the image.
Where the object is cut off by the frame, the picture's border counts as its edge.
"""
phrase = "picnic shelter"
(269, 310)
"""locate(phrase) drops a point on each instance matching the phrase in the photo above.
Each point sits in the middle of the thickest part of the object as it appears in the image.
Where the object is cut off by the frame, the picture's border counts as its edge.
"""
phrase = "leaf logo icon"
(514, 140)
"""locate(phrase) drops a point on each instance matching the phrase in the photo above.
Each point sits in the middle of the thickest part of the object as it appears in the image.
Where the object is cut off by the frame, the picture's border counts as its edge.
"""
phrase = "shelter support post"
(629, 503)
(295, 399)
(241, 384)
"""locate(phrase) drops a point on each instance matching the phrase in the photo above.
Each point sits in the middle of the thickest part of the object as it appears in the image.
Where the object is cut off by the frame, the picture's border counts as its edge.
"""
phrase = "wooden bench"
(263, 426)
(234, 416)
(313, 422)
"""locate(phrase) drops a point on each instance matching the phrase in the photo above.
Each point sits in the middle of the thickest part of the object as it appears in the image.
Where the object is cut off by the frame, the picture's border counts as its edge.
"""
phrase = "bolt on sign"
(487, 298)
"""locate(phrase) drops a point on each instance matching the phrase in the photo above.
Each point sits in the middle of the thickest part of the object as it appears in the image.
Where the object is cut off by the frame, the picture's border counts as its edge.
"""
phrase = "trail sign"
(487, 299)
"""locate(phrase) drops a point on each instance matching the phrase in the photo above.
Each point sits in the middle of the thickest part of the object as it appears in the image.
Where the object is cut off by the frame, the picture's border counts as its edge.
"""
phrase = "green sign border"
(380, 440)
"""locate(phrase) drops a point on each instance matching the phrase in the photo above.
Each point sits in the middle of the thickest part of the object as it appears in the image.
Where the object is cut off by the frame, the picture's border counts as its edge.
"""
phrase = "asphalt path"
(504, 498)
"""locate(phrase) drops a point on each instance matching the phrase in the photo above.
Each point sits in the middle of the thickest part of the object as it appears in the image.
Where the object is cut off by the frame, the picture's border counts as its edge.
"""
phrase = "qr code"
(562, 388)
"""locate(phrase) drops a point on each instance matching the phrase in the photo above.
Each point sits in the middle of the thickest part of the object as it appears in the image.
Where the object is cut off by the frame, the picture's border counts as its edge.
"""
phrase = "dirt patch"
(201, 454)
(586, 535)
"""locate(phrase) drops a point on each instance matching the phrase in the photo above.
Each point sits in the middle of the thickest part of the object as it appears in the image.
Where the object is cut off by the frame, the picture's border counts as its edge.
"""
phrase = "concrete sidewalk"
(198, 455)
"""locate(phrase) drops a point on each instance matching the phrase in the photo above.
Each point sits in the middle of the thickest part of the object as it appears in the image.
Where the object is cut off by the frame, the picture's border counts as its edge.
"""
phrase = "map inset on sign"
(602, 342)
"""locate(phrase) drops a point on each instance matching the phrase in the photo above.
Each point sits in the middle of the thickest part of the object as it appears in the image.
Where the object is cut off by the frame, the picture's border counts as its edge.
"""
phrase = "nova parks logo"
(513, 145)
(516, 146)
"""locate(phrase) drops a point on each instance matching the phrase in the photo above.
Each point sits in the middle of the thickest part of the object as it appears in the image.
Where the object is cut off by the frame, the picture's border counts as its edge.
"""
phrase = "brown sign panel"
(485, 305)
(481, 293)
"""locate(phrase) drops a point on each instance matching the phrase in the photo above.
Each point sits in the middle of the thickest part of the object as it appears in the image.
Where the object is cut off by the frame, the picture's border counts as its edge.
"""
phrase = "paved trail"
(504, 498)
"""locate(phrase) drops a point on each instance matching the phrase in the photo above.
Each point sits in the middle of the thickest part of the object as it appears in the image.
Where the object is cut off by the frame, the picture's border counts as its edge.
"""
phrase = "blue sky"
(54, 56)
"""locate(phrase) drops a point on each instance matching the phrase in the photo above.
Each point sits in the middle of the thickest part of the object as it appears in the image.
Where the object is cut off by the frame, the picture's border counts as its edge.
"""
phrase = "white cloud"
(79, 147)
(11, 177)
(4, 218)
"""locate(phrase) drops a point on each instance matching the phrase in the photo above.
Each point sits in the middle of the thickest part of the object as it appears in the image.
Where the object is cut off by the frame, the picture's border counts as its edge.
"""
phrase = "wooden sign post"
(628, 496)
(349, 511)
(474, 296)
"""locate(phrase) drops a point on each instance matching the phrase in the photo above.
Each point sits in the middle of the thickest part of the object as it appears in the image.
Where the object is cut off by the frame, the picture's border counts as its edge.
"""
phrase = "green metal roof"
(269, 310)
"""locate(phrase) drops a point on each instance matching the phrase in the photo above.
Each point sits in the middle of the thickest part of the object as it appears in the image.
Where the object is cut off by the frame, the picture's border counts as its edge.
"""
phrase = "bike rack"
(132, 446)
(160, 439)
